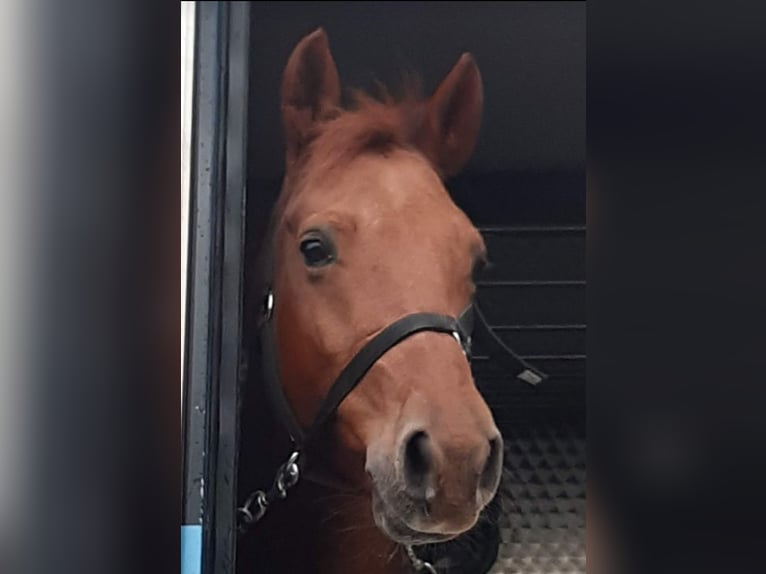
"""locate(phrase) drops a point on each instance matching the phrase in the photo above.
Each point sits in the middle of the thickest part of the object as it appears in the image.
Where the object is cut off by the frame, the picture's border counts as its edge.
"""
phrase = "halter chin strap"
(461, 328)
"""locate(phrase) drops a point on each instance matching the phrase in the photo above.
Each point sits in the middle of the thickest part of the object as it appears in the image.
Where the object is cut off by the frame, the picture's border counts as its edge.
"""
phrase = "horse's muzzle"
(431, 492)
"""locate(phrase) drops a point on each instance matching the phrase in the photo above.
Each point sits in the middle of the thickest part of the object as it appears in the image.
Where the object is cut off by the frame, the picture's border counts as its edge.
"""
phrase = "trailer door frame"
(214, 285)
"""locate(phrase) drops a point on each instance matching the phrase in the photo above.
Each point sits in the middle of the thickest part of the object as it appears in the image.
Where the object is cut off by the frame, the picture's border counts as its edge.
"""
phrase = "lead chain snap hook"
(292, 473)
(288, 475)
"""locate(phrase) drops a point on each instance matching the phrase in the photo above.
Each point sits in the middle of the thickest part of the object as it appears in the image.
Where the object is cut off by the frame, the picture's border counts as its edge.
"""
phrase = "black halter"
(461, 328)
(357, 367)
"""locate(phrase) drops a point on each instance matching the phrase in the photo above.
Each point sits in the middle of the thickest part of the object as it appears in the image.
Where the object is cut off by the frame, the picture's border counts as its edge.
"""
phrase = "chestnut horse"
(365, 233)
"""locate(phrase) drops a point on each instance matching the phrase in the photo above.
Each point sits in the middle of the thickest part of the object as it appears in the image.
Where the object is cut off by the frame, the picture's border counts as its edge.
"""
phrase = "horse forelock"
(369, 125)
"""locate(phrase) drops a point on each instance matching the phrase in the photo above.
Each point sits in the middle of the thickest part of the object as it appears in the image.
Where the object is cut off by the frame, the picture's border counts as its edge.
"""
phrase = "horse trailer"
(523, 189)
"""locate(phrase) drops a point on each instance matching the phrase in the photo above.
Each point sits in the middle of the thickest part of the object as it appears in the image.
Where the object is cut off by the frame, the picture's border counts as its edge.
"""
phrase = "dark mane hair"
(369, 124)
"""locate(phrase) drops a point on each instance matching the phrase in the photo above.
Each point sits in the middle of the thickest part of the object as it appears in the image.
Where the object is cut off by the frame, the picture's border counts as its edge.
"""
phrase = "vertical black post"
(233, 232)
(215, 287)
(200, 378)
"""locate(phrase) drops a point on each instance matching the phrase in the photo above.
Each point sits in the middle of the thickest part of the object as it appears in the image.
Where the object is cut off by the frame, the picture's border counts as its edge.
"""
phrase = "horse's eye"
(317, 251)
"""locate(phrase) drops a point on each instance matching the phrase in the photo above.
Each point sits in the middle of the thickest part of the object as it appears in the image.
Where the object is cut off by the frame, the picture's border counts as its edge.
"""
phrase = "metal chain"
(418, 564)
(287, 476)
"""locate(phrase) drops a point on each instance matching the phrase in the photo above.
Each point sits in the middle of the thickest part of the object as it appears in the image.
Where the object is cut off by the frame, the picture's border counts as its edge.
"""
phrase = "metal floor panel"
(542, 522)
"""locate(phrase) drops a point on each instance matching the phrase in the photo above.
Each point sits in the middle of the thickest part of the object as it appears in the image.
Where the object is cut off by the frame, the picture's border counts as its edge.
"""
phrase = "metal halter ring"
(464, 344)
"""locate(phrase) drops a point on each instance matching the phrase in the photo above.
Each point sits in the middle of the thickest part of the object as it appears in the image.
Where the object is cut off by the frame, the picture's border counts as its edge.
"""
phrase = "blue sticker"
(191, 549)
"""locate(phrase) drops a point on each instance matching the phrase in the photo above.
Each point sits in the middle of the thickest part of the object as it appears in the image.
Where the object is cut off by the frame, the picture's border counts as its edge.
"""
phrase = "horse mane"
(371, 123)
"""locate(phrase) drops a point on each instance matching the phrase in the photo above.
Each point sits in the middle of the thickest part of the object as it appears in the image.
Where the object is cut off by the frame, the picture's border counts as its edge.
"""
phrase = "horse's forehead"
(372, 187)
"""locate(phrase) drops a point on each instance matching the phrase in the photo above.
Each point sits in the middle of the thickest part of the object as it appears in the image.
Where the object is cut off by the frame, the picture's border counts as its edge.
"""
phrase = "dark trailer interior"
(524, 188)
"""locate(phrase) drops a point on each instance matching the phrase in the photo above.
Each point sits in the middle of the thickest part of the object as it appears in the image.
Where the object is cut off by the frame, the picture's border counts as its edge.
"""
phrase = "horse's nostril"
(493, 465)
(418, 460)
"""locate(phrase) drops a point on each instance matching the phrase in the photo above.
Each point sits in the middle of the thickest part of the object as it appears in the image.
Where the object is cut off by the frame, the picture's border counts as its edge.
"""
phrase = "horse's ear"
(453, 117)
(310, 90)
